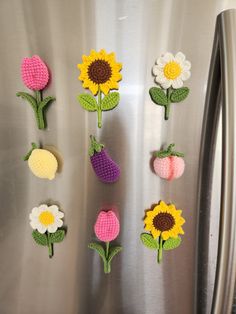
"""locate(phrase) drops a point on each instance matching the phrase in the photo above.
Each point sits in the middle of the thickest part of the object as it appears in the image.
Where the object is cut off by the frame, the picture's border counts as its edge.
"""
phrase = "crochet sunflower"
(100, 73)
(164, 222)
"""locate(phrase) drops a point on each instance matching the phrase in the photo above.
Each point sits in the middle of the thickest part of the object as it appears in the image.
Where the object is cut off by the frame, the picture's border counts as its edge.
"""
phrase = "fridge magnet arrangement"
(100, 73)
(164, 223)
(106, 228)
(104, 167)
(35, 76)
(42, 163)
(170, 72)
(169, 164)
(47, 222)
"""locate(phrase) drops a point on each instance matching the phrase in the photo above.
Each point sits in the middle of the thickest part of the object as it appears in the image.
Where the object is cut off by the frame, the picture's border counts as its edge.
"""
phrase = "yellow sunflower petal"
(155, 233)
(164, 206)
(148, 227)
(148, 220)
(165, 235)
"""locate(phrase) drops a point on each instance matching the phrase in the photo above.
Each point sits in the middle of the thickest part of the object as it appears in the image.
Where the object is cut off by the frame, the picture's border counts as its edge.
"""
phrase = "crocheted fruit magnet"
(100, 73)
(169, 164)
(45, 220)
(170, 72)
(42, 163)
(164, 224)
(35, 76)
(107, 228)
(104, 167)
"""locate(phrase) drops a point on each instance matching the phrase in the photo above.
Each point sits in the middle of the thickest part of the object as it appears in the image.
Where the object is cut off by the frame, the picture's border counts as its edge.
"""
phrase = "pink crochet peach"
(34, 73)
(169, 164)
(107, 226)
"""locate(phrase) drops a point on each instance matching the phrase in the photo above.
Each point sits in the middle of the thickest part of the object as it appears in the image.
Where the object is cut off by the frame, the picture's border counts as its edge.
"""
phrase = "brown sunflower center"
(99, 71)
(163, 221)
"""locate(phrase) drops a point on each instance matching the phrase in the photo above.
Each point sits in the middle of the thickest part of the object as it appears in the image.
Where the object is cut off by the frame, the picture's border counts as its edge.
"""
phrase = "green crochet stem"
(99, 108)
(27, 156)
(38, 104)
(50, 246)
(107, 265)
(159, 255)
(168, 152)
(95, 147)
(167, 106)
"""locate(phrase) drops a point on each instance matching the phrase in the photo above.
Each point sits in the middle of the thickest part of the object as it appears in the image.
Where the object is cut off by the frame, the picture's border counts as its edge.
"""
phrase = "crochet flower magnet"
(47, 222)
(42, 163)
(106, 228)
(100, 73)
(170, 72)
(164, 224)
(169, 164)
(35, 76)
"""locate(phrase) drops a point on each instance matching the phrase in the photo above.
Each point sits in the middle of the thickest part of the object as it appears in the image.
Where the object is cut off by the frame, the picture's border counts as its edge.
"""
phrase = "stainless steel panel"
(60, 32)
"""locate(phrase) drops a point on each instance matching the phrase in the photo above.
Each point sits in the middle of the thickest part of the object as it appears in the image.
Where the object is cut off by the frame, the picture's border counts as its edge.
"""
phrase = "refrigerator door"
(60, 32)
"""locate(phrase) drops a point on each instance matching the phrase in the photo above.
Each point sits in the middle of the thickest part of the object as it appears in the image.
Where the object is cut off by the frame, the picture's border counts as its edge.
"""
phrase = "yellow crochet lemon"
(43, 164)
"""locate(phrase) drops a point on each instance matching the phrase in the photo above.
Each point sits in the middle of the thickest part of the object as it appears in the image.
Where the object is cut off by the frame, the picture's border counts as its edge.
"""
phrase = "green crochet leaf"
(148, 241)
(87, 102)
(31, 100)
(27, 156)
(172, 243)
(99, 249)
(158, 96)
(113, 251)
(57, 236)
(45, 102)
(110, 101)
(179, 94)
(40, 238)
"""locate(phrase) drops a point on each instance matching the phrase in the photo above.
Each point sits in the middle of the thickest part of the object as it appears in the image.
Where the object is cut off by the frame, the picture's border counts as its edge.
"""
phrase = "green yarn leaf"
(31, 100)
(40, 238)
(57, 236)
(179, 94)
(87, 102)
(172, 243)
(158, 96)
(148, 241)
(110, 101)
(113, 251)
(45, 102)
(99, 249)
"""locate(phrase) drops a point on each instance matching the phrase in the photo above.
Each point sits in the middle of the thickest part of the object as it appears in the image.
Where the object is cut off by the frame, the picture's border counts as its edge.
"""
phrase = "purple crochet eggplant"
(105, 168)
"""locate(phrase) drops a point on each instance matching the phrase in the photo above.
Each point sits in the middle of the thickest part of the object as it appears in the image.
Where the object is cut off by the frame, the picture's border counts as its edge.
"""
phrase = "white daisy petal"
(180, 57)
(186, 65)
(42, 208)
(156, 70)
(60, 214)
(35, 211)
(177, 83)
(59, 222)
(161, 62)
(53, 209)
(166, 84)
(41, 229)
(52, 228)
(185, 75)
(168, 57)
(34, 224)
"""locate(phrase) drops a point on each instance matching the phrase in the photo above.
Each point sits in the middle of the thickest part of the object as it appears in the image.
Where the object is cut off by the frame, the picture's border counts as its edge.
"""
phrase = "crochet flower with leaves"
(100, 73)
(170, 72)
(35, 76)
(107, 228)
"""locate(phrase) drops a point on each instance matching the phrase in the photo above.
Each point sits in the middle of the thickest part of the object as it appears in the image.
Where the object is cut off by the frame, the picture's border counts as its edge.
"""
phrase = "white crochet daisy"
(46, 218)
(172, 70)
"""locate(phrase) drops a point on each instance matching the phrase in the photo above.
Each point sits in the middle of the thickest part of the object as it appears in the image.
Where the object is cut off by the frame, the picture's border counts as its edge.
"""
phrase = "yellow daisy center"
(99, 71)
(163, 221)
(46, 218)
(172, 70)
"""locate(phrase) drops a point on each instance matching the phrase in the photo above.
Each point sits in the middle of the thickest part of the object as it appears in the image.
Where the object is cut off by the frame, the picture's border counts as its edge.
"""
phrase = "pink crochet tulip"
(107, 226)
(34, 73)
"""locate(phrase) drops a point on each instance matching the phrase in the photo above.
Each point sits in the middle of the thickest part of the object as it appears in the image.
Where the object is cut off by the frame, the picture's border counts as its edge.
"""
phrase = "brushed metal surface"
(60, 32)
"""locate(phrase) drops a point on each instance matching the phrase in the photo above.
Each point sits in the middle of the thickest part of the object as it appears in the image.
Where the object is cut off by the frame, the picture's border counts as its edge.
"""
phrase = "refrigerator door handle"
(221, 86)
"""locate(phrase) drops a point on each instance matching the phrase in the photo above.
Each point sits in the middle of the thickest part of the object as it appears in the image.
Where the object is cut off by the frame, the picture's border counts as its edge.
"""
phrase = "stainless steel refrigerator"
(60, 32)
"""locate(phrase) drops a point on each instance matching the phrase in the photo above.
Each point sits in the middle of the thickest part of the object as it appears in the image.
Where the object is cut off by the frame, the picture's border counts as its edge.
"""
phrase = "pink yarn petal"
(34, 73)
(107, 226)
